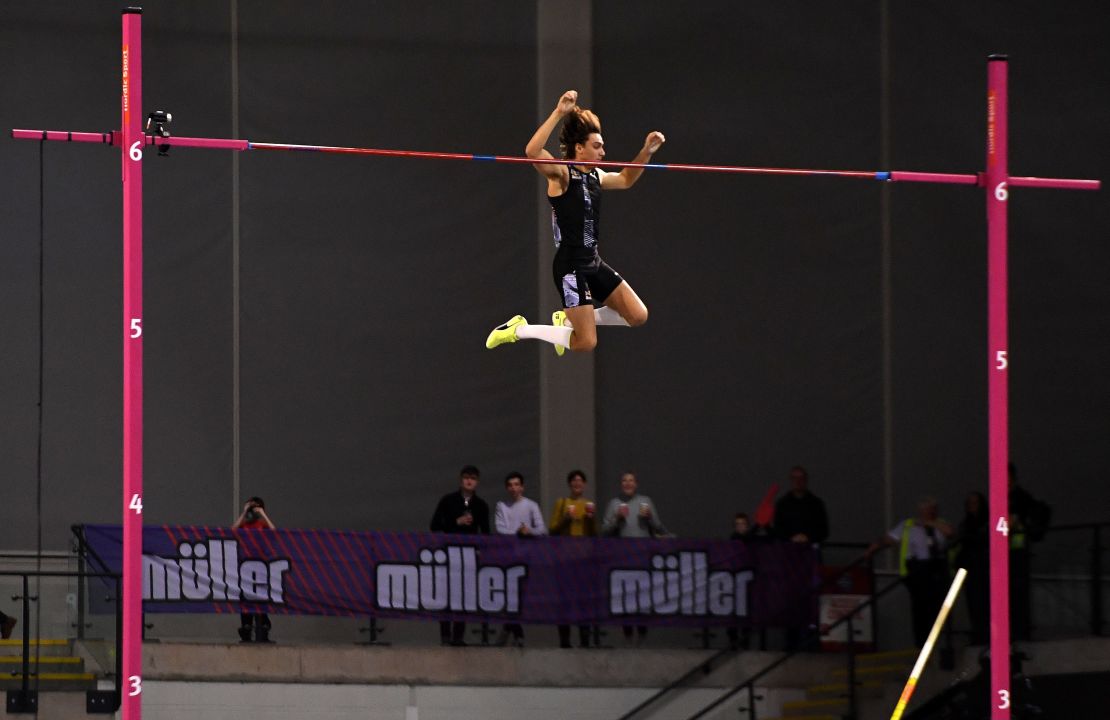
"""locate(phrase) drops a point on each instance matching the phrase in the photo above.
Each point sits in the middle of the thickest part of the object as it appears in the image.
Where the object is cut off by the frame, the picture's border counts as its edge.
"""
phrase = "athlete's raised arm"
(627, 177)
(535, 148)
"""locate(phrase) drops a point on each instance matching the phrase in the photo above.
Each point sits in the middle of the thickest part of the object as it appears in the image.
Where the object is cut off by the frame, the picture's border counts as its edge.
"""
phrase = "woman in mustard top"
(577, 517)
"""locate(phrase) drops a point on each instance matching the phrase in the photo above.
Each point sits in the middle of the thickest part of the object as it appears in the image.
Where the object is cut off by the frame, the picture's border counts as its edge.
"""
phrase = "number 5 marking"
(136, 327)
(1002, 360)
(136, 685)
(1004, 696)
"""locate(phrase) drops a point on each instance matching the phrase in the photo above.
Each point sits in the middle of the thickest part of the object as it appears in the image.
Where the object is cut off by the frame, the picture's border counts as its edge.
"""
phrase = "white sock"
(547, 333)
(608, 316)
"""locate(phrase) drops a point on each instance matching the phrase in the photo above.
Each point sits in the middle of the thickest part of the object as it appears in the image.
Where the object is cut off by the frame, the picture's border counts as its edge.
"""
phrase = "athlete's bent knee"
(583, 344)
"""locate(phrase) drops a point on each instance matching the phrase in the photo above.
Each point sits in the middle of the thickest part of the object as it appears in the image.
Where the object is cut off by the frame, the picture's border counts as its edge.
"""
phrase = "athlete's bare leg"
(584, 337)
(627, 304)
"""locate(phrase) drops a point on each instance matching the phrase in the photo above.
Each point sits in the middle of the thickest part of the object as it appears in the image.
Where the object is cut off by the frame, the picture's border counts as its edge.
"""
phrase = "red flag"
(765, 513)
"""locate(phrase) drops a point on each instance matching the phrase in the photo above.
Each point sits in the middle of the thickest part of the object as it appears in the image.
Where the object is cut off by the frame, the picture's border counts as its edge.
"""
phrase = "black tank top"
(575, 214)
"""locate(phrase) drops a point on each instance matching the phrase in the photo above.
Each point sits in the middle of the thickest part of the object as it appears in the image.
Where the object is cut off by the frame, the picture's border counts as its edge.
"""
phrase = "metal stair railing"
(707, 666)
(26, 699)
(749, 684)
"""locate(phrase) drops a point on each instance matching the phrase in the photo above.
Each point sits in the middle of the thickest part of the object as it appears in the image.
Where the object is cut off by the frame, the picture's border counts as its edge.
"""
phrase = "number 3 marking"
(136, 685)
(1004, 695)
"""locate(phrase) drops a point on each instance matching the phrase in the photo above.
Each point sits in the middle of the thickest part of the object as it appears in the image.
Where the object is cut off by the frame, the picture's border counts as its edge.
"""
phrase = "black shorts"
(581, 284)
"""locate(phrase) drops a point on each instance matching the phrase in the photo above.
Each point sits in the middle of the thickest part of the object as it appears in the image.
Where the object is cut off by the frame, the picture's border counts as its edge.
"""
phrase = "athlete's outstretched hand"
(567, 102)
(654, 141)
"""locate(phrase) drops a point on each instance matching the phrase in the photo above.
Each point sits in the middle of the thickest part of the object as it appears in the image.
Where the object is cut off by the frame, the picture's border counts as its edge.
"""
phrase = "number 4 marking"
(136, 504)
(1003, 526)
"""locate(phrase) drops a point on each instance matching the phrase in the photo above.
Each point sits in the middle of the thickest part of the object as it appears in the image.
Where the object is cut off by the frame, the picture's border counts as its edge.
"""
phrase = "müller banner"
(419, 575)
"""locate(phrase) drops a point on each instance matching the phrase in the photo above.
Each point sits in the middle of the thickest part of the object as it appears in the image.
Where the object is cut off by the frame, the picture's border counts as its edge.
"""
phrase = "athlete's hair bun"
(577, 126)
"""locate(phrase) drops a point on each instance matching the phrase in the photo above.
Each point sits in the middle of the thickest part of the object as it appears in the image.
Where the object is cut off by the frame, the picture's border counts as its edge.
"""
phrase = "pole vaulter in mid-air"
(133, 141)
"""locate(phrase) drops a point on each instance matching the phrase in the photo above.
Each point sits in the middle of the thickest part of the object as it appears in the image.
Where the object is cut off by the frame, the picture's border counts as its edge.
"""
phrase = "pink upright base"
(132, 154)
(996, 180)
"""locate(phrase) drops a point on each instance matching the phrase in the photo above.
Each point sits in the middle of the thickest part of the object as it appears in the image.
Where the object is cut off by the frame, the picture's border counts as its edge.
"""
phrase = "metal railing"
(1058, 565)
(25, 699)
(707, 666)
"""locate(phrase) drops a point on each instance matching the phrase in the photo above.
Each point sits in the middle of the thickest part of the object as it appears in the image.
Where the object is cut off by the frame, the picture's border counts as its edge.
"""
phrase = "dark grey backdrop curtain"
(367, 285)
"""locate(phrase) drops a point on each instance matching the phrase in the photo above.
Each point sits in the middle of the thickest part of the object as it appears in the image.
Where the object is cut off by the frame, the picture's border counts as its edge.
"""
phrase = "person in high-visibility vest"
(923, 561)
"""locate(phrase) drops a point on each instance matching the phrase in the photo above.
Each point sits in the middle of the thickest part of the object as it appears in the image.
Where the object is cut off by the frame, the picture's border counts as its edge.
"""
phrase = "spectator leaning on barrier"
(799, 514)
(922, 561)
(521, 517)
(632, 515)
(574, 516)
(254, 517)
(465, 513)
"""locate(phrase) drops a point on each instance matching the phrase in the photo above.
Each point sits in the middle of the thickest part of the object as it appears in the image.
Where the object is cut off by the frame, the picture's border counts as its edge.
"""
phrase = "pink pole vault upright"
(132, 141)
(996, 178)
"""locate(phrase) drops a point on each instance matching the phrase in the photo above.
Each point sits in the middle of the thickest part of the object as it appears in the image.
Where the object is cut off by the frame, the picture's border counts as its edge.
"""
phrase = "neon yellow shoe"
(559, 319)
(505, 333)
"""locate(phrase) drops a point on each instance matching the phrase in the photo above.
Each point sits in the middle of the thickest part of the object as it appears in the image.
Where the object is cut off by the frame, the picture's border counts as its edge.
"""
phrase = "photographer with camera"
(254, 517)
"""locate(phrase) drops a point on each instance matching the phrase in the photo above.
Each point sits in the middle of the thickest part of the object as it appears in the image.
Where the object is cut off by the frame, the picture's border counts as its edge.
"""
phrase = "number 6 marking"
(1001, 193)
(136, 151)
(1004, 696)
(136, 685)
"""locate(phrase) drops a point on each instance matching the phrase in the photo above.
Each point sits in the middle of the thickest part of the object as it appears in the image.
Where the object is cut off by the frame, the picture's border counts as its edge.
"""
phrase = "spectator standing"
(799, 514)
(254, 517)
(521, 517)
(1029, 520)
(922, 562)
(741, 527)
(632, 515)
(574, 516)
(973, 554)
(741, 532)
(460, 512)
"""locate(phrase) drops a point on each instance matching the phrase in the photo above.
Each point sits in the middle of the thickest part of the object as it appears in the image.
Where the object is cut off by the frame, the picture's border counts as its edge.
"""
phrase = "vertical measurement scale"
(996, 179)
(132, 144)
(132, 140)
